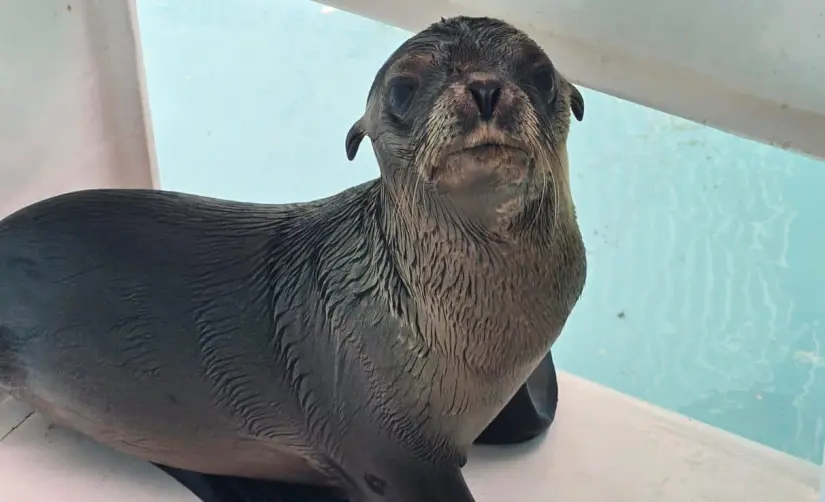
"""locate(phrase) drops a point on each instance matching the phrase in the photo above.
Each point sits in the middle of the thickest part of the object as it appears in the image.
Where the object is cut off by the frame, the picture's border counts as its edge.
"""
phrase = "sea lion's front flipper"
(531, 410)
(212, 488)
(403, 478)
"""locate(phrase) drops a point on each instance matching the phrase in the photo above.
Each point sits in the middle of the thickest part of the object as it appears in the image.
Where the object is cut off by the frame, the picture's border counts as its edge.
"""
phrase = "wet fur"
(363, 341)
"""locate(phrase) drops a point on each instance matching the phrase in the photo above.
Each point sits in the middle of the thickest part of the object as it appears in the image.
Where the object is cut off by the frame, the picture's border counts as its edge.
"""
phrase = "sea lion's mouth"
(490, 149)
(483, 166)
(485, 147)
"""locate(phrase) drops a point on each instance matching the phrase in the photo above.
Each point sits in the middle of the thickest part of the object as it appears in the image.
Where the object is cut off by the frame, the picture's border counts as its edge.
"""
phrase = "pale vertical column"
(73, 112)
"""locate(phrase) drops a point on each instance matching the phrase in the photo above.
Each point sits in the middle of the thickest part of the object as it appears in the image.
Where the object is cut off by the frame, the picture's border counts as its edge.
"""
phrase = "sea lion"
(360, 342)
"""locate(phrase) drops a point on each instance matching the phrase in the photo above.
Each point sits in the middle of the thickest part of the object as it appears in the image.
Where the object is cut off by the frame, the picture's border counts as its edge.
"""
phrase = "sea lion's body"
(210, 335)
(361, 342)
(128, 315)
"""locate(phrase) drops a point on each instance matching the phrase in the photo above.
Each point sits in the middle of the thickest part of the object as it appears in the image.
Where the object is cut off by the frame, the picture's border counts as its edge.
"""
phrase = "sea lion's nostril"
(486, 94)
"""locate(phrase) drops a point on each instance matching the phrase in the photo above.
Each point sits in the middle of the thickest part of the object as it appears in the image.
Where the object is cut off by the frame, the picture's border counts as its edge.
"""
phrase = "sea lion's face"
(470, 109)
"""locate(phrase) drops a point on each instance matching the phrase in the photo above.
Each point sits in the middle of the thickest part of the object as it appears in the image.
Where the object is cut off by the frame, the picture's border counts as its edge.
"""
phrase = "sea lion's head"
(471, 112)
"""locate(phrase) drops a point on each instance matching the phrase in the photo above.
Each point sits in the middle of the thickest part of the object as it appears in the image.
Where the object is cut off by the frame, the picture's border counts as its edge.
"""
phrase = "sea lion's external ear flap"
(354, 136)
(576, 103)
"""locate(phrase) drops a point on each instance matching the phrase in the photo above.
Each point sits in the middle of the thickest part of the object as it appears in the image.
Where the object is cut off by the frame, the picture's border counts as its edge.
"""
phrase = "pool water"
(706, 286)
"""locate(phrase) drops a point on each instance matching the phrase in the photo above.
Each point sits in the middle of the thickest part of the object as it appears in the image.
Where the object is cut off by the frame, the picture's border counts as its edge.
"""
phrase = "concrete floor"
(603, 446)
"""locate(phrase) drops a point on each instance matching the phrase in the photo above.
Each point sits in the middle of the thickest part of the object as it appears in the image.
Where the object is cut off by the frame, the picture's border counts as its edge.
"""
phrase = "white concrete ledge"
(603, 446)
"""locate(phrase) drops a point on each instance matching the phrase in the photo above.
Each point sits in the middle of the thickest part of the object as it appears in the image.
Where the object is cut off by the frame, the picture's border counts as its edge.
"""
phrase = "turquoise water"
(706, 284)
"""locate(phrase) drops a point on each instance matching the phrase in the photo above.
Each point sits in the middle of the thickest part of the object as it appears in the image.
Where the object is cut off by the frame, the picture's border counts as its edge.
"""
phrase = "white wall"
(71, 109)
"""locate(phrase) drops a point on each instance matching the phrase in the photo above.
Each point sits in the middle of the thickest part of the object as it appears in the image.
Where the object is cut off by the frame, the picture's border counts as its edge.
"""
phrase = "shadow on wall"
(705, 287)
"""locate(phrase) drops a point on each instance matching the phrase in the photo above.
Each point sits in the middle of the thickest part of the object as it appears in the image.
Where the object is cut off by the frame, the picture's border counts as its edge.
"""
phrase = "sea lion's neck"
(484, 307)
(433, 300)
(505, 293)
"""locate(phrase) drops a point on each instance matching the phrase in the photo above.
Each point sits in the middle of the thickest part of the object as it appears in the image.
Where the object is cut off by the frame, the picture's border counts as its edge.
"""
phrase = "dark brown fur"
(362, 341)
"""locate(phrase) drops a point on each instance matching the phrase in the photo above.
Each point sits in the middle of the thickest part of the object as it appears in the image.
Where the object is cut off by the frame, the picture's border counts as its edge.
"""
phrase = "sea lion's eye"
(401, 93)
(545, 81)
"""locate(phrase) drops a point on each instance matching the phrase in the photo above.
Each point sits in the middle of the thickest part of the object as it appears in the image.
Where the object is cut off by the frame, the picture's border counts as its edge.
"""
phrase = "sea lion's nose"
(485, 93)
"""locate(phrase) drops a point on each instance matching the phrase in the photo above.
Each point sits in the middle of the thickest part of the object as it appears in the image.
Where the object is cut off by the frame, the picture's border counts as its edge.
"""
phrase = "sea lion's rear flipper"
(212, 488)
(531, 410)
